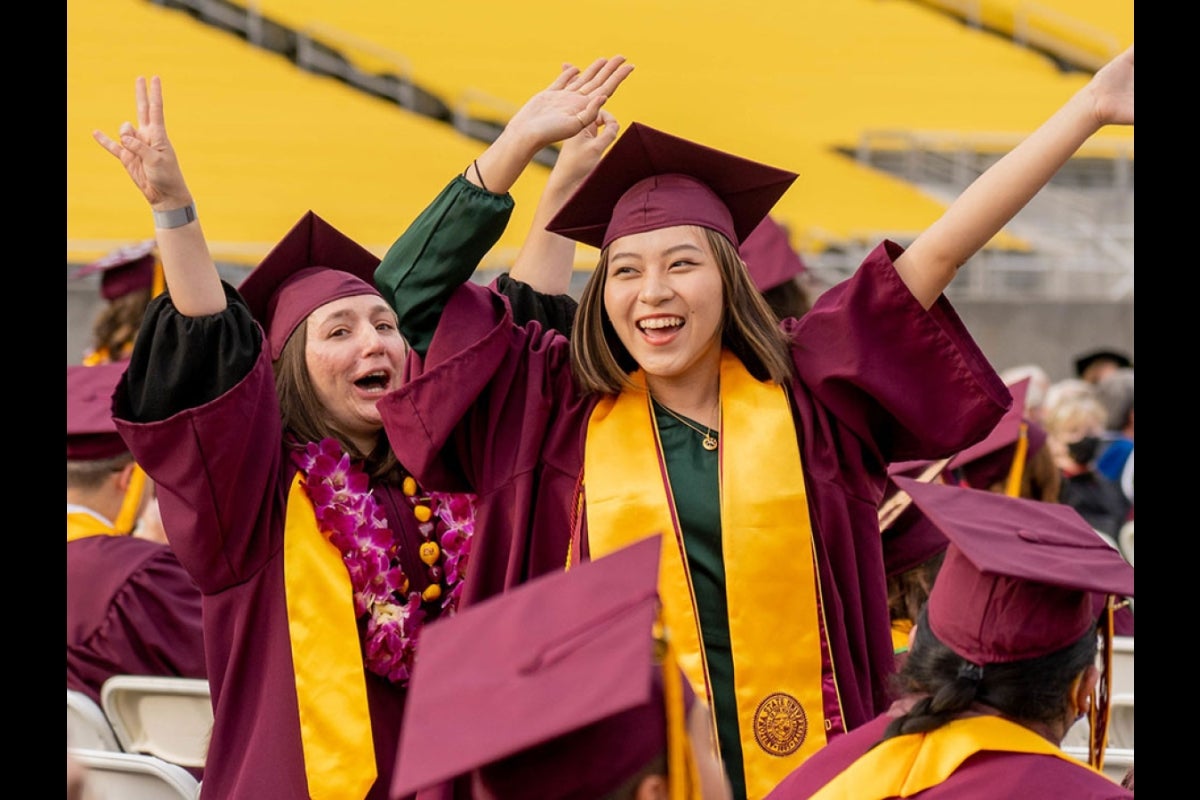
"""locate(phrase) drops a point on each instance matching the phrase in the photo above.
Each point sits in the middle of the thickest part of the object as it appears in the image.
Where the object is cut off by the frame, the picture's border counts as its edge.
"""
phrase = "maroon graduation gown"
(222, 475)
(987, 774)
(131, 610)
(493, 408)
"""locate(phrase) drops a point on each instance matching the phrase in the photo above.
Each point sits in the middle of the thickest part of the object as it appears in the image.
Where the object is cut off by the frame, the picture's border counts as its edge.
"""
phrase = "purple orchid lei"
(348, 514)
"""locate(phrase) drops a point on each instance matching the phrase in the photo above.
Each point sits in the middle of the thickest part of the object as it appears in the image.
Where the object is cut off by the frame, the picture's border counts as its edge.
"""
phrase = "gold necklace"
(710, 439)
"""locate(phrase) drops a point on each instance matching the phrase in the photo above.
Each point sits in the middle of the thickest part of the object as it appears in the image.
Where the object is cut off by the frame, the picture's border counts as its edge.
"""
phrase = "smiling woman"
(255, 411)
(773, 580)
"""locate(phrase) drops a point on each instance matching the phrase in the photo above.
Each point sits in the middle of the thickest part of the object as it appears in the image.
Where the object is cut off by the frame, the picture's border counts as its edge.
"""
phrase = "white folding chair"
(87, 725)
(132, 776)
(167, 717)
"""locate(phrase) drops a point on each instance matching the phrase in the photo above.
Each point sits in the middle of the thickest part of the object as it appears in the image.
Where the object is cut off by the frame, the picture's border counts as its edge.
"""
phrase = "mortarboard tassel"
(1012, 487)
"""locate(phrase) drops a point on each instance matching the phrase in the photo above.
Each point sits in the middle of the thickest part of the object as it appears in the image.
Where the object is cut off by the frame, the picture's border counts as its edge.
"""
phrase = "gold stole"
(331, 689)
(80, 526)
(905, 765)
(770, 577)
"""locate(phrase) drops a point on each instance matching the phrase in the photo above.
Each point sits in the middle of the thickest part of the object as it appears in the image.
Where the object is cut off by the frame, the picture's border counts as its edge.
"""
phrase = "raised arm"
(995, 197)
(567, 107)
(148, 157)
(546, 259)
(441, 248)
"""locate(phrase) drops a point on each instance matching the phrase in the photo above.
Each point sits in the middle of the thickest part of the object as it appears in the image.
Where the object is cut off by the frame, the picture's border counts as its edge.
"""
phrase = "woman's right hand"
(146, 152)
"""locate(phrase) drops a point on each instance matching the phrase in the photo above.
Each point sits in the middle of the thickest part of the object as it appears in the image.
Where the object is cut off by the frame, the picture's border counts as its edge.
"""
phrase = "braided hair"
(1033, 690)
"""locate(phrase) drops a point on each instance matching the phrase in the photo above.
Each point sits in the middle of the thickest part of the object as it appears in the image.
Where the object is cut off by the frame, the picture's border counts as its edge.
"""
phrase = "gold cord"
(710, 439)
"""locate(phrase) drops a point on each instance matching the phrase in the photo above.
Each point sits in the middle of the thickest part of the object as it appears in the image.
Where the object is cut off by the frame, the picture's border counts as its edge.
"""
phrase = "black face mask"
(1084, 451)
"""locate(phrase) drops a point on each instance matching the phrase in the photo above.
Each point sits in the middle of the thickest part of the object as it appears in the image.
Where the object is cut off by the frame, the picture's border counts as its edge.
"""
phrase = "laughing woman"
(255, 412)
(677, 404)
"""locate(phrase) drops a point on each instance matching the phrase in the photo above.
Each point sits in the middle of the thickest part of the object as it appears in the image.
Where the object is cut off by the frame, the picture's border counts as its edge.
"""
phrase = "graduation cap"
(126, 270)
(1019, 574)
(1019, 581)
(650, 180)
(91, 433)
(1003, 453)
(909, 539)
(554, 689)
(313, 264)
(1085, 360)
(769, 256)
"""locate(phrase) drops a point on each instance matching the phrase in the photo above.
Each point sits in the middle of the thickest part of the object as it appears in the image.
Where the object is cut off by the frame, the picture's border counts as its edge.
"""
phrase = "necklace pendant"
(710, 442)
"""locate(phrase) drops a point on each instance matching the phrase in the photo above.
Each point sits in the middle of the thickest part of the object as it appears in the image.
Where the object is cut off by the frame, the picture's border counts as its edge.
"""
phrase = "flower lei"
(348, 514)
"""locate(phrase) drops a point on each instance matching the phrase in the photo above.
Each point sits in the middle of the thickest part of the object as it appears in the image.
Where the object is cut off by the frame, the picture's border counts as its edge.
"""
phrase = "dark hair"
(788, 299)
(908, 590)
(1033, 689)
(305, 418)
(748, 328)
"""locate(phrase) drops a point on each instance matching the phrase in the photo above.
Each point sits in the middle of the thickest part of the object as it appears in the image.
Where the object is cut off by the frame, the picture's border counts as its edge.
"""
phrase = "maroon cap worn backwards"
(91, 433)
(1018, 576)
(650, 180)
(313, 264)
(769, 255)
(550, 690)
(124, 271)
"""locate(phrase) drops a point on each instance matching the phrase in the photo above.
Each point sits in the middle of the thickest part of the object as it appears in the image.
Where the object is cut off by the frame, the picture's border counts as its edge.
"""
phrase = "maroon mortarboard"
(910, 541)
(1018, 576)
(995, 457)
(650, 180)
(1082, 362)
(548, 690)
(909, 538)
(769, 255)
(313, 264)
(125, 270)
(91, 433)
(895, 502)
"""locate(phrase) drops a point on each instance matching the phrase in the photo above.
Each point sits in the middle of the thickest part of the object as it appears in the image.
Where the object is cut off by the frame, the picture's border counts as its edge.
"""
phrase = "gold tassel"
(1013, 487)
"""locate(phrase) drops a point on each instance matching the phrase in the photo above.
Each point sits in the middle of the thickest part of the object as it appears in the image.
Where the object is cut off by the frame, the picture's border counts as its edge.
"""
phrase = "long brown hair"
(749, 328)
(305, 417)
(117, 324)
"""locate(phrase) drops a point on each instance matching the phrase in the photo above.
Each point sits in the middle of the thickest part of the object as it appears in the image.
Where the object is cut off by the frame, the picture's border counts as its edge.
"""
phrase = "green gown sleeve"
(438, 253)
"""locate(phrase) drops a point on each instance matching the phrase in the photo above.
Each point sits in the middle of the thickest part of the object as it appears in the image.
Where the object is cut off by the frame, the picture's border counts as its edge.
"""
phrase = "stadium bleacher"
(793, 84)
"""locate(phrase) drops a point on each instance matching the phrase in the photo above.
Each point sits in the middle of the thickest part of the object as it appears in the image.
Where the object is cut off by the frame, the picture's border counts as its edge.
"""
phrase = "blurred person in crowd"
(1093, 365)
(1012, 460)
(674, 366)
(1035, 393)
(1115, 460)
(132, 609)
(129, 278)
(776, 269)
(1075, 426)
(1003, 662)
(320, 559)
(589, 702)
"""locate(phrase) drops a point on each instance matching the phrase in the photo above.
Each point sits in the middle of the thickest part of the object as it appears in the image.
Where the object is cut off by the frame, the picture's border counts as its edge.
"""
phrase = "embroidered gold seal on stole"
(780, 724)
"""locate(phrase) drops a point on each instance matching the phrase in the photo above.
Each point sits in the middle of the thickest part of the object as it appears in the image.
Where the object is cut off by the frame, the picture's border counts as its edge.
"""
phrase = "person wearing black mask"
(1075, 426)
